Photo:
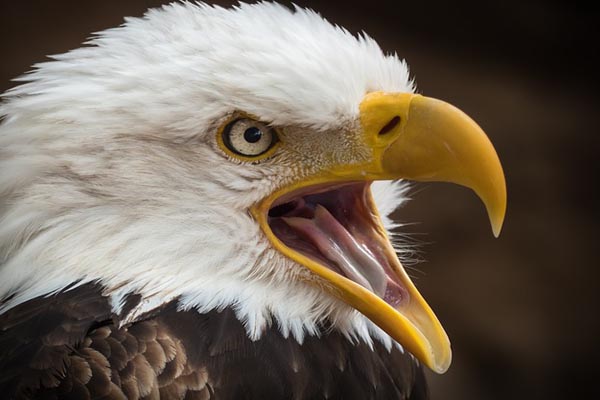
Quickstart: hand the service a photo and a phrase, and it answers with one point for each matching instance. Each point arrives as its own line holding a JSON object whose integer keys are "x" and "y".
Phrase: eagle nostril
{"x": 390, "y": 125}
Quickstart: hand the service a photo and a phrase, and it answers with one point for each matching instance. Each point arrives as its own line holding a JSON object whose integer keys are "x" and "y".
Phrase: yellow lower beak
{"x": 418, "y": 138}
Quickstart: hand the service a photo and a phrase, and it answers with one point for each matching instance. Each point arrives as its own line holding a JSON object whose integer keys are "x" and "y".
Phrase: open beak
{"x": 329, "y": 223}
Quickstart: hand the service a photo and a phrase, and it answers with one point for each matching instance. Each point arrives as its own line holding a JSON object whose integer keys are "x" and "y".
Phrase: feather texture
{"x": 82, "y": 352}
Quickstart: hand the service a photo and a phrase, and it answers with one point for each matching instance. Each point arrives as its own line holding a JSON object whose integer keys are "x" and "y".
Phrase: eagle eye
{"x": 248, "y": 138}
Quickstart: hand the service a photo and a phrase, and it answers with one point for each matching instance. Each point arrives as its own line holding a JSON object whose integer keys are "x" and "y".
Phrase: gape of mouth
{"x": 337, "y": 227}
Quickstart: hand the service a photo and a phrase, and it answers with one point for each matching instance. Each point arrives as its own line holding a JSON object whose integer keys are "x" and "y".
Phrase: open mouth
{"x": 327, "y": 222}
{"x": 339, "y": 227}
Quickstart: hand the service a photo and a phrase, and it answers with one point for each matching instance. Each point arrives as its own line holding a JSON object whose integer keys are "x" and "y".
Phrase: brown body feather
{"x": 69, "y": 346}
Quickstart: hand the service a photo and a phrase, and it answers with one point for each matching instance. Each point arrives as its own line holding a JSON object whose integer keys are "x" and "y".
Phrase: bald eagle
{"x": 195, "y": 205}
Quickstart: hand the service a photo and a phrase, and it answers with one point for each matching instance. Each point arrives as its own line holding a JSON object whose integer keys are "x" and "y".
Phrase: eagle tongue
{"x": 348, "y": 252}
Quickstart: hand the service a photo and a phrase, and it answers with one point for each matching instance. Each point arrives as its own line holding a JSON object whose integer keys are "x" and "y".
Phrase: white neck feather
{"x": 99, "y": 184}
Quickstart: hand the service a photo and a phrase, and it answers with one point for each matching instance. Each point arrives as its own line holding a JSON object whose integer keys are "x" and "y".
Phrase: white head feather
{"x": 110, "y": 173}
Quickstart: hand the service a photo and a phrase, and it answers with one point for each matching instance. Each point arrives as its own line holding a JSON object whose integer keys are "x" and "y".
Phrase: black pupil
{"x": 252, "y": 135}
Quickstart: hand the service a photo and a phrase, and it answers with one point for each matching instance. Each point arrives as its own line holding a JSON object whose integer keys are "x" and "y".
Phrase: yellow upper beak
{"x": 433, "y": 141}
{"x": 417, "y": 138}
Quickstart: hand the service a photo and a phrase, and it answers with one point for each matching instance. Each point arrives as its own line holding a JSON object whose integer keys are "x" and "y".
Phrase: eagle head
{"x": 229, "y": 158}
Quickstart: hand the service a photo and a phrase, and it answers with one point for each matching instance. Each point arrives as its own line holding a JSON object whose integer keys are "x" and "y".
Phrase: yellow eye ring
{"x": 247, "y": 139}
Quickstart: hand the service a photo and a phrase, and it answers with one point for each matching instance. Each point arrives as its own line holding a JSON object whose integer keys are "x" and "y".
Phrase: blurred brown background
{"x": 521, "y": 310}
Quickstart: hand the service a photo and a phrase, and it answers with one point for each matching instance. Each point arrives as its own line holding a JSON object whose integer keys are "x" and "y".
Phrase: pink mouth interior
{"x": 335, "y": 227}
